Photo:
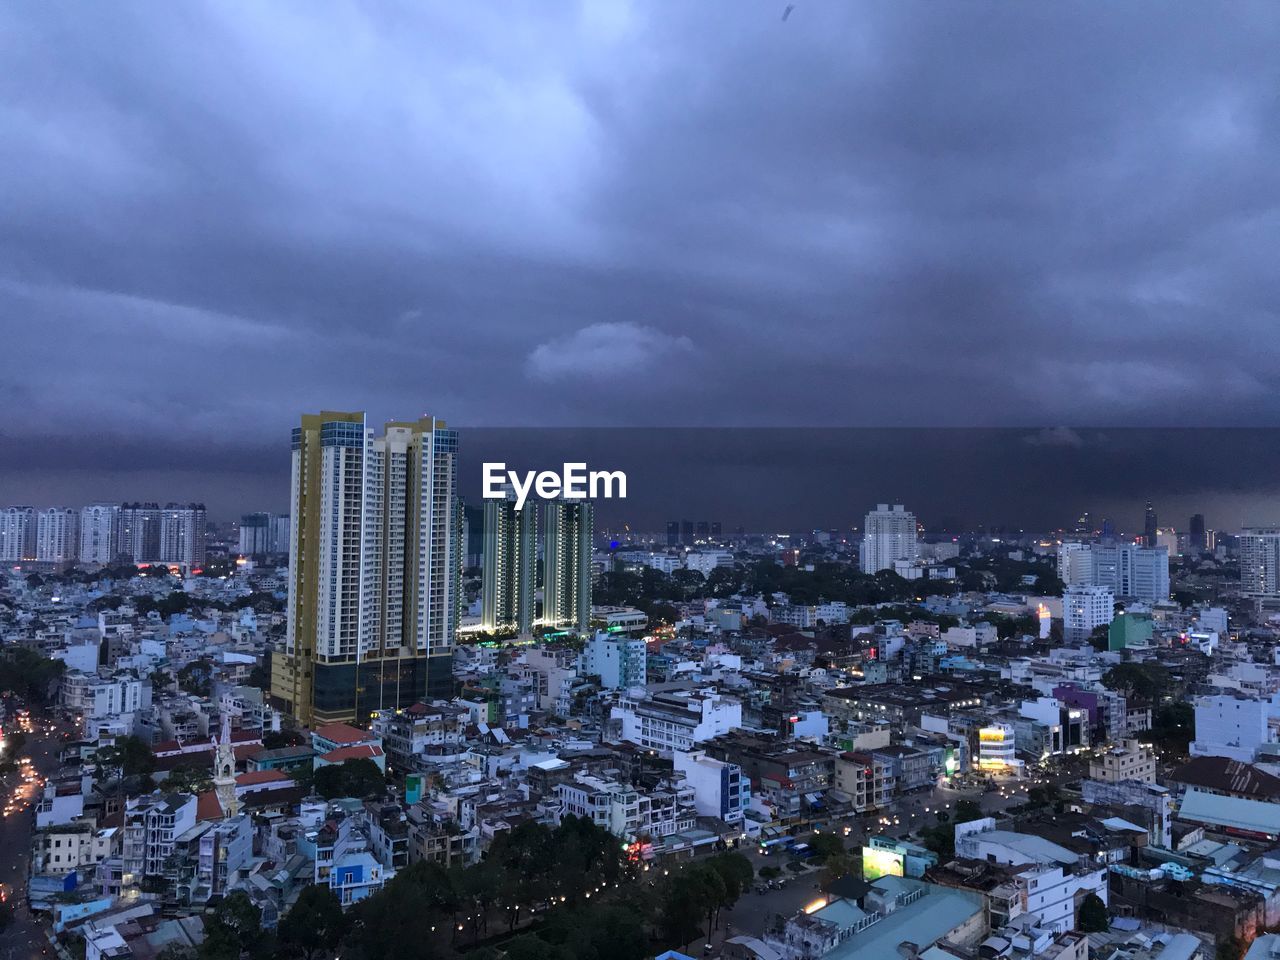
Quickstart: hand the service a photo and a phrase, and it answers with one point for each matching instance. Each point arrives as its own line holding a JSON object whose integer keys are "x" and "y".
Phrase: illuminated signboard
{"x": 878, "y": 863}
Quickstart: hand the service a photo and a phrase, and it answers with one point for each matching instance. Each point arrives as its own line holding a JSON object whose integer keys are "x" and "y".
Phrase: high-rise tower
{"x": 510, "y": 566}
{"x": 566, "y": 594}
{"x": 888, "y": 534}
{"x": 375, "y": 565}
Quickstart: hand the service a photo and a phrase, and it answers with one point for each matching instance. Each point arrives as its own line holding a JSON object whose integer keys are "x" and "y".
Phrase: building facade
{"x": 888, "y": 534}
{"x": 566, "y": 594}
{"x": 57, "y": 534}
{"x": 98, "y": 523}
{"x": 510, "y": 563}
{"x": 375, "y": 568}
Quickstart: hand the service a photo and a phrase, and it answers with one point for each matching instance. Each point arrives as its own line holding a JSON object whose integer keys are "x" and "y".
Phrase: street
{"x": 24, "y": 939}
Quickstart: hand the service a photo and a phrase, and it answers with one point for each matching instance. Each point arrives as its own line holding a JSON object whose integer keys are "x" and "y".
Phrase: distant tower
{"x": 566, "y": 594}
{"x": 510, "y": 566}
{"x": 889, "y": 534}
{"x": 1197, "y": 540}
{"x": 224, "y": 769}
{"x": 1150, "y": 530}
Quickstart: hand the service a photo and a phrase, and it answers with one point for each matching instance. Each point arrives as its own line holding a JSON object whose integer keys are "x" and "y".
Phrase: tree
{"x": 130, "y": 755}
{"x": 29, "y": 675}
{"x": 314, "y": 924}
{"x": 968, "y": 811}
{"x": 233, "y": 929}
{"x": 353, "y": 778}
{"x": 825, "y": 846}
{"x": 196, "y": 677}
{"x": 1093, "y": 915}
{"x": 275, "y": 739}
{"x": 1143, "y": 682}
{"x": 681, "y": 918}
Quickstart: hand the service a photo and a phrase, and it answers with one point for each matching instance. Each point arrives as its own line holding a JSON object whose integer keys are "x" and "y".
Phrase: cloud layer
{"x": 218, "y": 216}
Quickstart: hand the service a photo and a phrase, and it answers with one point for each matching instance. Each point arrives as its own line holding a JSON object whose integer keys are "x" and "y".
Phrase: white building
{"x": 182, "y": 533}
{"x": 151, "y": 825}
{"x": 57, "y": 534}
{"x": 94, "y": 697}
{"x": 98, "y": 523}
{"x": 888, "y": 534}
{"x": 1085, "y": 608}
{"x": 620, "y": 661}
{"x": 719, "y": 788}
{"x": 17, "y": 533}
{"x": 627, "y": 811}
{"x": 704, "y": 561}
{"x": 1055, "y": 876}
{"x": 675, "y": 720}
{"x": 1260, "y": 561}
{"x": 1127, "y": 569}
{"x": 375, "y": 561}
{"x": 997, "y": 749}
{"x": 1234, "y": 727}
{"x": 1075, "y": 563}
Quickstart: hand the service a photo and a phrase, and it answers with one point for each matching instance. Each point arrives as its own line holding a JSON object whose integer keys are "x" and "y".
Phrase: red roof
{"x": 342, "y": 733}
{"x": 343, "y": 754}
{"x": 207, "y": 806}
{"x": 254, "y": 777}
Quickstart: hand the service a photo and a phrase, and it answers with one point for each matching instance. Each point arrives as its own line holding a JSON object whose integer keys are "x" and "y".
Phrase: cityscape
{"x": 618, "y": 480}
{"x": 393, "y": 716}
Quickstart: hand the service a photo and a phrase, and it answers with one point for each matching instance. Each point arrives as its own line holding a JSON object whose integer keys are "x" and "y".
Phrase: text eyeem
{"x": 573, "y": 482}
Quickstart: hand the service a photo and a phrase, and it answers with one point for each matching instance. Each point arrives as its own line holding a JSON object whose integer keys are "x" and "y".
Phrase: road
{"x": 25, "y": 938}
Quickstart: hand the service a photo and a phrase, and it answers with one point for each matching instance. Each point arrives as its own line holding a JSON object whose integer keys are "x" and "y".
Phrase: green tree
{"x": 29, "y": 675}
{"x": 825, "y": 846}
{"x": 196, "y": 677}
{"x": 680, "y": 921}
{"x": 353, "y": 778}
{"x": 1093, "y": 915}
{"x": 130, "y": 756}
{"x": 233, "y": 929}
{"x": 315, "y": 924}
{"x": 1141, "y": 682}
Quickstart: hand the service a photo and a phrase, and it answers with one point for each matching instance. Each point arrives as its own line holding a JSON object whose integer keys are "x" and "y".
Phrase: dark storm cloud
{"x": 217, "y": 216}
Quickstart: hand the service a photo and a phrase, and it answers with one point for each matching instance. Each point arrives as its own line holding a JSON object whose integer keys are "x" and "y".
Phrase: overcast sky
{"x": 215, "y": 217}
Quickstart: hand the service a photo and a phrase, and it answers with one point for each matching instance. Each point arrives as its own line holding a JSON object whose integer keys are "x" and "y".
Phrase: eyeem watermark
{"x": 573, "y": 482}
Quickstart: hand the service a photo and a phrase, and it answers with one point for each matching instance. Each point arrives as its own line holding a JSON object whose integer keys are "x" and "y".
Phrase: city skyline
{"x": 783, "y": 480}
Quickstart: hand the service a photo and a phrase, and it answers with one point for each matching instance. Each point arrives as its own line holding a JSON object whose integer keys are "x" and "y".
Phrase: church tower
{"x": 224, "y": 770}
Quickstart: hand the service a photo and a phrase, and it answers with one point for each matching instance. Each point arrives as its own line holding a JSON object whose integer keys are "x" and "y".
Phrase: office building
{"x": 673, "y": 533}
{"x": 566, "y": 592}
{"x": 280, "y": 527}
{"x": 1196, "y": 539}
{"x": 1126, "y": 569}
{"x": 182, "y": 533}
{"x": 255, "y": 534}
{"x": 1083, "y": 609}
{"x": 1150, "y": 528}
{"x": 98, "y": 524}
{"x": 138, "y": 532}
{"x": 264, "y": 534}
{"x": 888, "y": 534}
{"x": 509, "y": 567}
{"x": 375, "y": 565}
{"x": 1260, "y": 561}
{"x": 57, "y": 534}
{"x": 17, "y": 533}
